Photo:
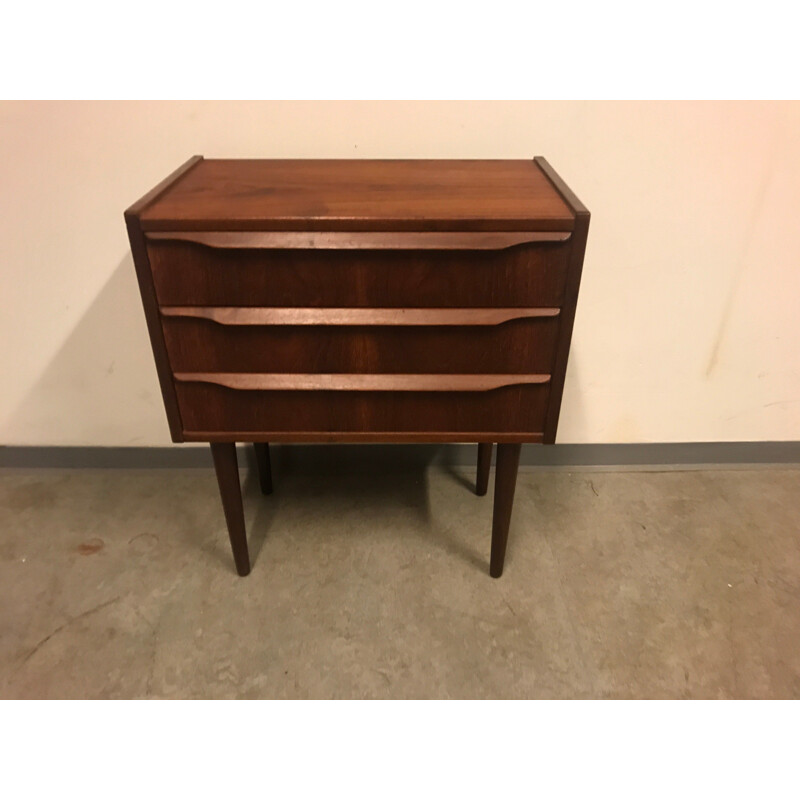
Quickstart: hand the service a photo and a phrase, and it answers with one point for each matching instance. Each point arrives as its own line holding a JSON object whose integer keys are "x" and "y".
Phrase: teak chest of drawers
{"x": 360, "y": 301}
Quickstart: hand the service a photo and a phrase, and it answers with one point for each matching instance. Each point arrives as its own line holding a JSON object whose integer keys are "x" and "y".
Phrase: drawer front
{"x": 209, "y": 407}
{"x": 188, "y": 273}
{"x": 518, "y": 345}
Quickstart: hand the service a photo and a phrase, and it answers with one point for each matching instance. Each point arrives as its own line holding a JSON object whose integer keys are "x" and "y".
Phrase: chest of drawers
{"x": 360, "y": 301}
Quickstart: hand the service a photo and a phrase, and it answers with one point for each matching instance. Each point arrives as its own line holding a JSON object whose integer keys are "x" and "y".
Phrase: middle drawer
{"x": 403, "y": 341}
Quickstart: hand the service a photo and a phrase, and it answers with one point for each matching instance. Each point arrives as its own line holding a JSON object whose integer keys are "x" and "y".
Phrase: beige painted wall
{"x": 688, "y": 321}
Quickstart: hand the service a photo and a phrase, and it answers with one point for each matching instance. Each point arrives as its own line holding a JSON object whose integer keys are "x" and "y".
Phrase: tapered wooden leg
{"x": 264, "y": 467}
{"x": 484, "y": 462}
{"x": 227, "y": 468}
{"x": 505, "y": 482}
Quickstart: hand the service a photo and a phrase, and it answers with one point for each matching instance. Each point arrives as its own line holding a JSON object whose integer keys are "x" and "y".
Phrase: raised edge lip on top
{"x": 156, "y": 213}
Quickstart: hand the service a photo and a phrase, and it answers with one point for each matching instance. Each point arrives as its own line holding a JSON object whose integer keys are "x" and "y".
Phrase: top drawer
{"x": 394, "y": 272}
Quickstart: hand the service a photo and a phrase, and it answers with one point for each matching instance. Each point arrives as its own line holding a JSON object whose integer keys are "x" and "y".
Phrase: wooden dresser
{"x": 360, "y": 301}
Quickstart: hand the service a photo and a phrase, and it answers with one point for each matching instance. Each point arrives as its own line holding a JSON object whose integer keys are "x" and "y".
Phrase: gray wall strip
{"x": 667, "y": 455}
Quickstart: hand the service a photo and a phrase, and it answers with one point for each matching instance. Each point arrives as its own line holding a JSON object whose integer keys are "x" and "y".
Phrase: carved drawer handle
{"x": 347, "y": 382}
{"x": 317, "y": 240}
{"x": 357, "y": 316}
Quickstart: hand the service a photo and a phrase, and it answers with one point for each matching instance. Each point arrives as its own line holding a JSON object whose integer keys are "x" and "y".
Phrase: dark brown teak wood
{"x": 345, "y": 382}
{"x": 521, "y": 345}
{"x": 484, "y": 464}
{"x": 400, "y": 317}
{"x": 227, "y": 469}
{"x": 361, "y": 195}
{"x": 580, "y": 234}
{"x": 309, "y": 240}
{"x": 513, "y": 413}
{"x": 264, "y": 467}
{"x": 505, "y": 482}
{"x": 360, "y": 301}
{"x": 525, "y": 276}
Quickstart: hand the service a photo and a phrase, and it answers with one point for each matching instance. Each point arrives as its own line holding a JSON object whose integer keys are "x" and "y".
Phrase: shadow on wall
{"x": 101, "y": 387}
{"x": 572, "y": 419}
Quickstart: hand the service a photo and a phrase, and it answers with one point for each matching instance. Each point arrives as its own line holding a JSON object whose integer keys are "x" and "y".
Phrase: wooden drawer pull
{"x": 357, "y": 316}
{"x": 294, "y": 240}
{"x": 286, "y": 382}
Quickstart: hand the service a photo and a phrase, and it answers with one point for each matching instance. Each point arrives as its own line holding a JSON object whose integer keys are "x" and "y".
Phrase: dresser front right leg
{"x": 227, "y": 468}
{"x": 484, "y": 463}
{"x": 505, "y": 482}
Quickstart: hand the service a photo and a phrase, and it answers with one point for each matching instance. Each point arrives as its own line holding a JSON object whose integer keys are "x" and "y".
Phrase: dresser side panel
{"x": 150, "y": 303}
{"x": 567, "y": 317}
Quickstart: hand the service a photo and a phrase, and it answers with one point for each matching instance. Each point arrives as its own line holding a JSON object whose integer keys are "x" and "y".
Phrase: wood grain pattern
{"x": 522, "y": 345}
{"x": 527, "y": 276}
{"x": 350, "y": 240}
{"x": 361, "y": 195}
{"x": 356, "y": 316}
{"x": 342, "y": 382}
{"x": 232, "y": 412}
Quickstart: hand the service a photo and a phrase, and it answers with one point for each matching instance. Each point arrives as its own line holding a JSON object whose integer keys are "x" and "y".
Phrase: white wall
{"x": 688, "y": 322}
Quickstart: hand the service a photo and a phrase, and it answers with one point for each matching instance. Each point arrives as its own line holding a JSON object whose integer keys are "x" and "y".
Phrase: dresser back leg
{"x": 484, "y": 462}
{"x": 505, "y": 482}
{"x": 227, "y": 468}
{"x": 264, "y": 467}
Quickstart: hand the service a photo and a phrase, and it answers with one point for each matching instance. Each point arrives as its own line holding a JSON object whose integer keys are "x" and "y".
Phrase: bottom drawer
{"x": 209, "y": 408}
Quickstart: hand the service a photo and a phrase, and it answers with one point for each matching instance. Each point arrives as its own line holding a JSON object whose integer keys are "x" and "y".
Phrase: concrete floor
{"x": 120, "y": 584}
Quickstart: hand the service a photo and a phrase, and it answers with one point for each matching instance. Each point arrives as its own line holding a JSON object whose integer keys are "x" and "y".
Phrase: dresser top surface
{"x": 358, "y": 194}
